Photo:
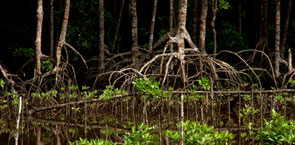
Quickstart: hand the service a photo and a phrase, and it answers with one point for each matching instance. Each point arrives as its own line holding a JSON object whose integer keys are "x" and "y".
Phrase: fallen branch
{"x": 32, "y": 111}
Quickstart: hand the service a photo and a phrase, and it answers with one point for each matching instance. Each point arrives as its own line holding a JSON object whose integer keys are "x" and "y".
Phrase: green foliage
{"x": 292, "y": 81}
{"x": 3, "y": 104}
{"x": 21, "y": 51}
{"x": 277, "y": 130}
{"x": 74, "y": 87}
{"x": 248, "y": 111}
{"x": 109, "y": 93}
{"x": 149, "y": 86}
{"x": 14, "y": 96}
{"x": 246, "y": 97}
{"x": 163, "y": 32}
{"x": 46, "y": 65}
{"x": 279, "y": 98}
{"x": 83, "y": 30}
{"x": 85, "y": 141}
{"x": 84, "y": 88}
{"x": 193, "y": 95}
{"x": 45, "y": 96}
{"x": 2, "y": 83}
{"x": 223, "y": 4}
{"x": 201, "y": 134}
{"x": 234, "y": 39}
{"x": 251, "y": 133}
{"x": 107, "y": 132}
{"x": 74, "y": 108}
{"x": 204, "y": 83}
{"x": 4, "y": 127}
{"x": 73, "y": 95}
{"x": 141, "y": 136}
{"x": 91, "y": 94}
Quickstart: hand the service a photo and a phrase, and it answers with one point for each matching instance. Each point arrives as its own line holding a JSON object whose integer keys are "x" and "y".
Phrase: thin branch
{"x": 5, "y": 75}
{"x": 70, "y": 46}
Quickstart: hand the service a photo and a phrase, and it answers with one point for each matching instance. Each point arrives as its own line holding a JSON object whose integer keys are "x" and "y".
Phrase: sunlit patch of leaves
{"x": 196, "y": 133}
{"x": 141, "y": 136}
{"x": 275, "y": 131}
{"x": 85, "y": 141}
{"x": 109, "y": 92}
{"x": 149, "y": 86}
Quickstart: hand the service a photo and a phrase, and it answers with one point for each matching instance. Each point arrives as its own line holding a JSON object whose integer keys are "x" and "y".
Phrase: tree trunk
{"x": 62, "y": 36}
{"x": 214, "y": 11}
{"x": 152, "y": 26}
{"x": 180, "y": 42}
{"x": 101, "y": 36}
{"x": 277, "y": 39}
{"x": 285, "y": 29}
{"x": 39, "y": 136}
{"x": 51, "y": 29}
{"x": 118, "y": 25}
{"x": 290, "y": 66}
{"x": 182, "y": 119}
{"x": 134, "y": 36}
{"x": 203, "y": 18}
{"x": 195, "y": 16}
{"x": 264, "y": 22}
{"x": 39, "y": 36}
{"x": 240, "y": 15}
{"x": 171, "y": 15}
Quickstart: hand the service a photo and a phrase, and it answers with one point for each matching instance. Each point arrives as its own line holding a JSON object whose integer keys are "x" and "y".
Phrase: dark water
{"x": 112, "y": 121}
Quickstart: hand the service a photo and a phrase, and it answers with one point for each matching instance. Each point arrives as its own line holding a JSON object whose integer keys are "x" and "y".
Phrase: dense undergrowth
{"x": 149, "y": 94}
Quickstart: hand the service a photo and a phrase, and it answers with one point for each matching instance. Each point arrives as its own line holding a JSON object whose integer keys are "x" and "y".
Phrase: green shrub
{"x": 201, "y": 134}
{"x": 149, "y": 86}
{"x": 85, "y": 141}
{"x": 141, "y": 136}
{"x": 109, "y": 92}
{"x": 277, "y": 131}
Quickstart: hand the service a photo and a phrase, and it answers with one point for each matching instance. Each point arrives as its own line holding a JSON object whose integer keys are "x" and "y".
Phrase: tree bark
{"x": 152, "y": 26}
{"x": 51, "y": 29}
{"x": 285, "y": 29}
{"x": 195, "y": 16}
{"x": 118, "y": 25}
{"x": 39, "y": 36}
{"x": 180, "y": 36}
{"x": 290, "y": 66}
{"x": 277, "y": 39}
{"x": 264, "y": 21}
{"x": 171, "y": 15}
{"x": 214, "y": 11}
{"x": 240, "y": 15}
{"x": 203, "y": 17}
{"x": 101, "y": 36}
{"x": 62, "y": 36}
{"x": 5, "y": 74}
{"x": 134, "y": 36}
